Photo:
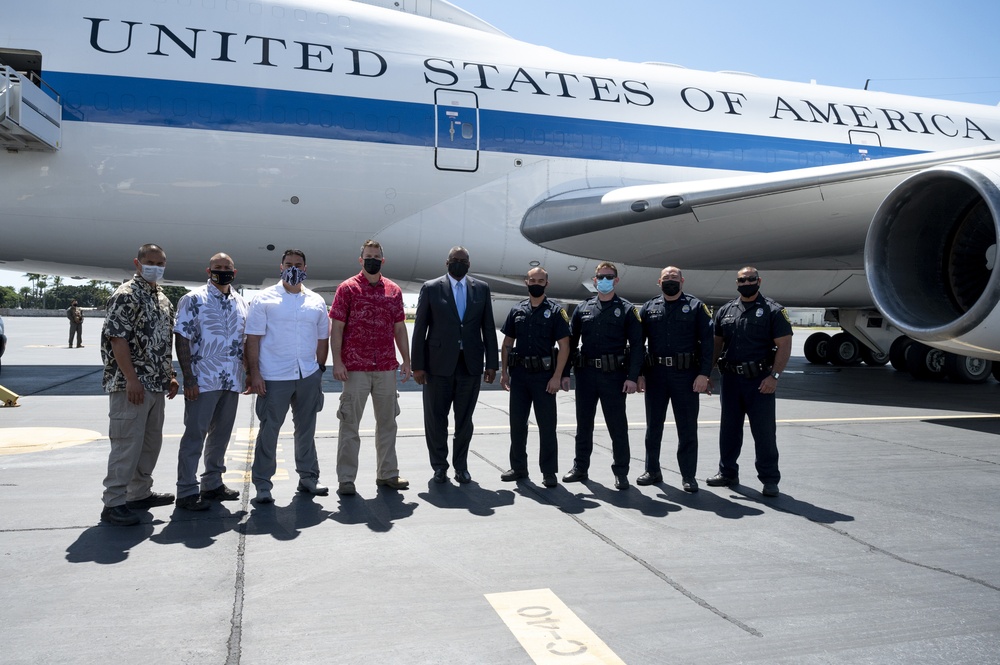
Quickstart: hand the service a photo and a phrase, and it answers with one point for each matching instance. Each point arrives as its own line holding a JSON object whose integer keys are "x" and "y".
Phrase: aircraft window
{"x": 518, "y": 135}
{"x": 205, "y": 109}
{"x": 559, "y": 138}
{"x": 371, "y": 123}
{"x": 154, "y": 105}
{"x": 322, "y": 18}
{"x": 101, "y": 101}
{"x": 325, "y": 119}
{"x": 467, "y": 130}
{"x": 255, "y": 8}
{"x": 128, "y": 103}
{"x": 538, "y": 137}
{"x": 278, "y": 12}
{"x": 302, "y": 117}
{"x": 393, "y": 124}
{"x": 229, "y": 112}
{"x": 348, "y": 122}
{"x": 300, "y": 15}
{"x": 254, "y": 113}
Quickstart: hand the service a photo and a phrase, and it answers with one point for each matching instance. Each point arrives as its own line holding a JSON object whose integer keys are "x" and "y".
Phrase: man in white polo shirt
{"x": 286, "y": 351}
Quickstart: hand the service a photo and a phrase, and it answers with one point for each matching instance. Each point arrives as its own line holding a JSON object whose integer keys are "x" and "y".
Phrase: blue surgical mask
{"x": 152, "y": 274}
{"x": 292, "y": 275}
{"x": 605, "y": 286}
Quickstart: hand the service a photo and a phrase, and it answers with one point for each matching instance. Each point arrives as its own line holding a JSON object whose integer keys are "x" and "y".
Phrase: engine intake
{"x": 930, "y": 257}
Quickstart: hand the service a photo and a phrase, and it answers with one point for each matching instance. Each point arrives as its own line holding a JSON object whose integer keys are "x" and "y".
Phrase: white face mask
{"x": 152, "y": 274}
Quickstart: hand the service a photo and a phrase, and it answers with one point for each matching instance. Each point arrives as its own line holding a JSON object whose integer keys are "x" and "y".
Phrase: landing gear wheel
{"x": 925, "y": 362}
{"x": 817, "y": 348}
{"x": 873, "y": 358}
{"x": 897, "y": 353}
{"x": 844, "y": 349}
{"x": 963, "y": 369}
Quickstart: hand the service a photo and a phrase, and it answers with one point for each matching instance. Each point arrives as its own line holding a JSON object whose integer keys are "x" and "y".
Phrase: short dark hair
{"x": 372, "y": 243}
{"x": 147, "y": 248}
{"x": 295, "y": 252}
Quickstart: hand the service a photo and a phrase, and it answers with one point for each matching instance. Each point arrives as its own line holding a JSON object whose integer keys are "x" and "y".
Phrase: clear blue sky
{"x": 918, "y": 47}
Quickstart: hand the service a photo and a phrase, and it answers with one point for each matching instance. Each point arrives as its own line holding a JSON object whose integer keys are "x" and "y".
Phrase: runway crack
{"x": 234, "y": 647}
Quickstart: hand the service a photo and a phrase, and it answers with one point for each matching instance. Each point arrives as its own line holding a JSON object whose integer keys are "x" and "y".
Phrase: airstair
{"x": 30, "y": 112}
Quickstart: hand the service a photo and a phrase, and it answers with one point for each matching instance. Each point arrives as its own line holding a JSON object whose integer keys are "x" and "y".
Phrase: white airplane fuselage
{"x": 250, "y": 128}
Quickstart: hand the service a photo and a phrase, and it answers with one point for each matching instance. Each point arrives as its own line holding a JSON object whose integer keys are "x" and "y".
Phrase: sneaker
{"x": 511, "y": 475}
{"x": 395, "y": 483}
{"x": 119, "y": 516}
{"x": 312, "y": 486}
{"x": 346, "y": 488}
{"x": 220, "y": 493}
{"x": 264, "y": 496}
{"x": 192, "y": 502}
{"x": 770, "y": 489}
{"x": 719, "y": 480}
{"x": 154, "y": 499}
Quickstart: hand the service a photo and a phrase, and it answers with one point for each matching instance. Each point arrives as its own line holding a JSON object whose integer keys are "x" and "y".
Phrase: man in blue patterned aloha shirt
{"x": 209, "y": 336}
{"x": 135, "y": 347}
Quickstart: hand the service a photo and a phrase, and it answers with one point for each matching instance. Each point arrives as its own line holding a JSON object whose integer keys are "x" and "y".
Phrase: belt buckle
{"x": 597, "y": 363}
{"x": 739, "y": 369}
{"x": 668, "y": 362}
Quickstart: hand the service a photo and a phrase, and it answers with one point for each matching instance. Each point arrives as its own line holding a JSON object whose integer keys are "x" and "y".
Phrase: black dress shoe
{"x": 220, "y": 493}
{"x": 621, "y": 482}
{"x": 463, "y": 477}
{"x": 151, "y": 501}
{"x": 649, "y": 478}
{"x": 689, "y": 485}
{"x": 719, "y": 480}
{"x": 119, "y": 516}
{"x": 770, "y": 489}
{"x": 441, "y": 476}
{"x": 575, "y": 476}
{"x": 192, "y": 502}
{"x": 549, "y": 480}
{"x": 512, "y": 475}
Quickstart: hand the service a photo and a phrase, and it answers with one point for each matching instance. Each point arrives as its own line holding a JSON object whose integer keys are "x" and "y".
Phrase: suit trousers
{"x": 208, "y": 425}
{"x": 593, "y": 386}
{"x": 740, "y": 398}
{"x": 136, "y": 433}
{"x": 305, "y": 396}
{"x": 665, "y": 385}
{"x": 527, "y": 390}
{"x": 385, "y": 401}
{"x": 442, "y": 393}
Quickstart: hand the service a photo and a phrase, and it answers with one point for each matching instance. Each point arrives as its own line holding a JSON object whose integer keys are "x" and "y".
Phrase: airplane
{"x": 252, "y": 127}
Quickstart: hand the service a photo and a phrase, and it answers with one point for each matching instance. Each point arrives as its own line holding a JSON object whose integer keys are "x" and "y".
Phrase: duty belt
{"x": 679, "y": 361}
{"x": 751, "y": 369}
{"x": 531, "y": 363}
{"x": 608, "y": 362}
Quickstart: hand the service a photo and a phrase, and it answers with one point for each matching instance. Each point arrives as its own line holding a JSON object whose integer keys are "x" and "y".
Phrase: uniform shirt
{"x": 214, "y": 322}
{"x": 748, "y": 330}
{"x": 291, "y": 325}
{"x": 140, "y": 313}
{"x": 536, "y": 329}
{"x": 680, "y": 326}
{"x": 607, "y": 328}
{"x": 370, "y": 312}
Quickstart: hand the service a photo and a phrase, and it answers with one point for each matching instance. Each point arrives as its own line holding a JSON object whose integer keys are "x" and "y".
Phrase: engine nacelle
{"x": 930, "y": 257}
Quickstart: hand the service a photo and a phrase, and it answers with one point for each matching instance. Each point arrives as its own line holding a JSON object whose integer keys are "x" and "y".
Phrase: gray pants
{"x": 208, "y": 424}
{"x": 305, "y": 396}
{"x": 136, "y": 433}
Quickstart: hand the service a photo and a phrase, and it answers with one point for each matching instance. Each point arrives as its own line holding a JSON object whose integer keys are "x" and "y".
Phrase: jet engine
{"x": 930, "y": 256}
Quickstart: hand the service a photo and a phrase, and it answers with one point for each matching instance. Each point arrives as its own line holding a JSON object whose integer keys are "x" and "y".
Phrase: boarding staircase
{"x": 30, "y": 112}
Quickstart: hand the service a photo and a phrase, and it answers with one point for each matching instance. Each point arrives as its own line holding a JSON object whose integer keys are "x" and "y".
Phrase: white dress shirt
{"x": 291, "y": 325}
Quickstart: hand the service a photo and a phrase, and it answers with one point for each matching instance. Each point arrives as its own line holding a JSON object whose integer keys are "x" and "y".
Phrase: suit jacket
{"x": 438, "y": 333}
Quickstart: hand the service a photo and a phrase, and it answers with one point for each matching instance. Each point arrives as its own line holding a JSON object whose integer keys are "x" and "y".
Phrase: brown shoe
{"x": 395, "y": 483}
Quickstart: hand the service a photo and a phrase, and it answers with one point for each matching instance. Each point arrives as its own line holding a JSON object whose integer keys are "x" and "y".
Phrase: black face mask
{"x": 536, "y": 290}
{"x": 373, "y": 266}
{"x": 223, "y": 277}
{"x": 670, "y": 287}
{"x": 458, "y": 270}
{"x": 748, "y": 290}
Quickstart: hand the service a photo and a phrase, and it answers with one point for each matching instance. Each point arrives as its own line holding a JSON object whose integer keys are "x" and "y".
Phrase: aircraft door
{"x": 456, "y": 130}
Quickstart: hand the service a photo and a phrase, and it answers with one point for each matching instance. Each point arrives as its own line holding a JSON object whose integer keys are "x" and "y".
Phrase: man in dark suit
{"x": 453, "y": 335}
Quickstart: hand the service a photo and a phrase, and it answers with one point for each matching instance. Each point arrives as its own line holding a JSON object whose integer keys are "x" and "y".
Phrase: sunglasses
{"x": 607, "y": 277}
{"x": 746, "y": 280}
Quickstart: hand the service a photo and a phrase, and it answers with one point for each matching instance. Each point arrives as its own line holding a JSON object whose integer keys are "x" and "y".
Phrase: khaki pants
{"x": 385, "y": 400}
{"x": 136, "y": 433}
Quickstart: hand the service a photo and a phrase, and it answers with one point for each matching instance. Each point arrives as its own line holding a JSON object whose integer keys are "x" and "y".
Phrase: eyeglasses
{"x": 746, "y": 280}
{"x": 607, "y": 277}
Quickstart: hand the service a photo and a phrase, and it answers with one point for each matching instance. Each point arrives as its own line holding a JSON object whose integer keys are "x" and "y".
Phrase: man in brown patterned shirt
{"x": 135, "y": 347}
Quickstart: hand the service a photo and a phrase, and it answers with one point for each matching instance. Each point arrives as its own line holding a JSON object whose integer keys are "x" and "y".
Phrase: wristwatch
{"x": 776, "y": 375}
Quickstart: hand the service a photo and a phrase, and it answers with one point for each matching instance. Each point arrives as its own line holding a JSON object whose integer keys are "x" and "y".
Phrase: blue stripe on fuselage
{"x": 183, "y": 104}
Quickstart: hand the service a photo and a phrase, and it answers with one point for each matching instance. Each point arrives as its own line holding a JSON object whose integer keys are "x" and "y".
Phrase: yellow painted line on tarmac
{"x": 549, "y": 631}
{"x": 17, "y": 440}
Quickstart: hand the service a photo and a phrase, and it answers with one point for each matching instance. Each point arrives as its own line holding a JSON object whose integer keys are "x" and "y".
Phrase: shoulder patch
{"x": 564, "y": 315}
{"x": 638, "y": 317}
{"x": 784, "y": 313}
{"x": 705, "y": 307}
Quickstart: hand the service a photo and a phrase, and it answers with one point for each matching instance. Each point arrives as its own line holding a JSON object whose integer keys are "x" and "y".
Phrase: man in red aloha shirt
{"x": 367, "y": 321}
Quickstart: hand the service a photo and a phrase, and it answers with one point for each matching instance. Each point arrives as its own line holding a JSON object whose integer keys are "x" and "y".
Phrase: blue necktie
{"x": 460, "y": 299}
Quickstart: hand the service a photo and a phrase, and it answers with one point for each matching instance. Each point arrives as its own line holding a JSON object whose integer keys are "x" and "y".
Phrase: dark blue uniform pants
{"x": 667, "y": 385}
{"x": 527, "y": 389}
{"x": 593, "y": 386}
{"x": 741, "y": 398}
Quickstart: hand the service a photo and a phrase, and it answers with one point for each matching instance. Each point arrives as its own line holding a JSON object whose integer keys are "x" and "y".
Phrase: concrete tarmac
{"x": 883, "y": 548}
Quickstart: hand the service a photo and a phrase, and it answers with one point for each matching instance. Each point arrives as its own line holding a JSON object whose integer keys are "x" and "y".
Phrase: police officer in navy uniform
{"x": 607, "y": 369}
{"x": 680, "y": 342}
{"x": 533, "y": 374}
{"x": 753, "y": 341}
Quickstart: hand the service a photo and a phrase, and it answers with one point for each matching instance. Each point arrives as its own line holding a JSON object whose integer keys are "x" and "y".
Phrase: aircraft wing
{"x": 811, "y": 218}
